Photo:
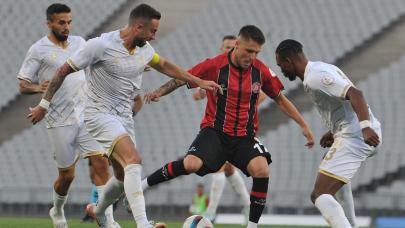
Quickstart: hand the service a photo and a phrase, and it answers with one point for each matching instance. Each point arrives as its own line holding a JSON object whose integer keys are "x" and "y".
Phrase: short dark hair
{"x": 56, "y": 8}
{"x": 288, "y": 48}
{"x": 252, "y": 32}
{"x": 144, "y": 11}
{"x": 229, "y": 37}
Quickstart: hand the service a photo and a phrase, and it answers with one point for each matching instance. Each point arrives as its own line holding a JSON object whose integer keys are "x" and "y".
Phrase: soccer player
{"x": 354, "y": 133}
{"x": 227, "y": 171}
{"x": 64, "y": 120}
{"x": 231, "y": 119}
{"x": 116, "y": 61}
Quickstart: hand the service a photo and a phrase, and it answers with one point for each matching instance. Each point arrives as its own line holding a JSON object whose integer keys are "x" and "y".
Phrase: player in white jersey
{"x": 64, "y": 120}
{"x": 354, "y": 133}
{"x": 116, "y": 61}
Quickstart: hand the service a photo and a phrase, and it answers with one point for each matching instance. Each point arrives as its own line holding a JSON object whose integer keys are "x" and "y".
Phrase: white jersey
{"x": 41, "y": 63}
{"x": 115, "y": 75}
{"x": 327, "y": 85}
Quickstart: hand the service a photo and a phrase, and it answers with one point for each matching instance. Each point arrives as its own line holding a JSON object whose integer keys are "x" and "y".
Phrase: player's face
{"x": 60, "y": 25}
{"x": 227, "y": 45}
{"x": 146, "y": 32}
{"x": 246, "y": 51}
{"x": 286, "y": 67}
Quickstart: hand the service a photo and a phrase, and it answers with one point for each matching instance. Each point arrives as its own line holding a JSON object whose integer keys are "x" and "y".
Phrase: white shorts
{"x": 68, "y": 142}
{"x": 346, "y": 155}
{"x": 108, "y": 129}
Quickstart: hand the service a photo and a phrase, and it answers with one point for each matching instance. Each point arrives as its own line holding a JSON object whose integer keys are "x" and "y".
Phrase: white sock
{"x": 109, "y": 210}
{"x": 251, "y": 225}
{"x": 239, "y": 187}
{"x": 145, "y": 184}
{"x": 345, "y": 198}
{"x": 217, "y": 187}
{"x": 113, "y": 189}
{"x": 332, "y": 211}
{"x": 134, "y": 193}
{"x": 59, "y": 202}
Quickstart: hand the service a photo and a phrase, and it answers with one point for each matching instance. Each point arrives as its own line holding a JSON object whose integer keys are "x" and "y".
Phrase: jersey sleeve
{"x": 272, "y": 85}
{"x": 30, "y": 66}
{"x": 332, "y": 84}
{"x": 204, "y": 70}
{"x": 89, "y": 53}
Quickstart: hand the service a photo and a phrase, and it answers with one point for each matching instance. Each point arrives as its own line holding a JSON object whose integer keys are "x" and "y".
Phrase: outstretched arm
{"x": 38, "y": 112}
{"x": 163, "y": 90}
{"x": 166, "y": 67}
{"x": 288, "y": 108}
{"x": 359, "y": 105}
{"x": 27, "y": 87}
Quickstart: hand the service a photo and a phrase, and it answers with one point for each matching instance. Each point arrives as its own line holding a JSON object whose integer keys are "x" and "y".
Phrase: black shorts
{"x": 214, "y": 148}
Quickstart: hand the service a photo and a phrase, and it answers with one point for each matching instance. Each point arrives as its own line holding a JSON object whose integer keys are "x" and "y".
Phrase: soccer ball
{"x": 197, "y": 221}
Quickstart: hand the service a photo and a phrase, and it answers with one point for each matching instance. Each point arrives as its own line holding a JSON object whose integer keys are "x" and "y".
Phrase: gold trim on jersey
{"x": 115, "y": 141}
{"x": 344, "y": 180}
{"x": 155, "y": 60}
{"x": 345, "y": 90}
{"x": 71, "y": 64}
{"x": 92, "y": 153}
{"x": 70, "y": 166}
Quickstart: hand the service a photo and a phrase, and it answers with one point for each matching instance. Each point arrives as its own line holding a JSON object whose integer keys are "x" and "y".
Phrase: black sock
{"x": 167, "y": 172}
{"x": 258, "y": 197}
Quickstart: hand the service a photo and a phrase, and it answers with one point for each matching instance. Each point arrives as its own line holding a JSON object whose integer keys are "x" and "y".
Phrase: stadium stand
{"x": 24, "y": 23}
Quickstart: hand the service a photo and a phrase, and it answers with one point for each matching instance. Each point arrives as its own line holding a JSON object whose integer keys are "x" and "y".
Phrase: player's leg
{"x": 62, "y": 142}
{"x": 216, "y": 190}
{"x": 325, "y": 188}
{"x": 253, "y": 159}
{"x": 204, "y": 156}
{"x": 337, "y": 168}
{"x": 237, "y": 183}
{"x": 345, "y": 198}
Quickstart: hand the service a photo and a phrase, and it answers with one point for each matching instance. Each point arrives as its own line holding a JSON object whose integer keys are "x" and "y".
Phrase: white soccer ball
{"x": 197, "y": 221}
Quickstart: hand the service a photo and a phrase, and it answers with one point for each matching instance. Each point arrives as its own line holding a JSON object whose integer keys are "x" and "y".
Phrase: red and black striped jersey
{"x": 235, "y": 112}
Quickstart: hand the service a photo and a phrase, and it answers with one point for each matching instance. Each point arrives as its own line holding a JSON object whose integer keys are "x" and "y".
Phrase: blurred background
{"x": 365, "y": 38}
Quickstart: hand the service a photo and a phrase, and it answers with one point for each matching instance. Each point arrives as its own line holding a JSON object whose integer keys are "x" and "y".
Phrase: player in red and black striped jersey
{"x": 230, "y": 122}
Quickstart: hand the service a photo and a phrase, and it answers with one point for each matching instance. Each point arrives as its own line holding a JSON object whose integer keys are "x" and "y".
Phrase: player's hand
{"x": 210, "y": 85}
{"x": 199, "y": 94}
{"x": 370, "y": 137}
{"x": 43, "y": 86}
{"x": 327, "y": 140}
{"x": 151, "y": 97}
{"x": 310, "y": 137}
{"x": 36, "y": 114}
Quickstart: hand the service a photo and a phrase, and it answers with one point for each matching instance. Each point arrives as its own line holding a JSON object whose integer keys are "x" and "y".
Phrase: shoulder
{"x": 77, "y": 39}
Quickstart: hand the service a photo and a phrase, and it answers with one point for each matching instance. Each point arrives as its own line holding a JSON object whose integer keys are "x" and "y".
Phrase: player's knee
{"x": 67, "y": 177}
{"x": 262, "y": 171}
{"x": 229, "y": 170}
{"x": 192, "y": 163}
{"x": 314, "y": 196}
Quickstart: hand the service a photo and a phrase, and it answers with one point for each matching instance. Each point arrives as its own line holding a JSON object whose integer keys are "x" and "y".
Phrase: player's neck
{"x": 125, "y": 35}
{"x": 302, "y": 65}
{"x": 54, "y": 40}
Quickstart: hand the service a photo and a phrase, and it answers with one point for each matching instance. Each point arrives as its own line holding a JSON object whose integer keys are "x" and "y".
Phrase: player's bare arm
{"x": 163, "y": 90}
{"x": 37, "y": 113}
{"x": 166, "y": 67}
{"x": 359, "y": 105}
{"x": 288, "y": 108}
{"x": 27, "y": 87}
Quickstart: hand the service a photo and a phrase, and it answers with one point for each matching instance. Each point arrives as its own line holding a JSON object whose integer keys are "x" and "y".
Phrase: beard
{"x": 138, "y": 42}
{"x": 292, "y": 77}
{"x": 59, "y": 36}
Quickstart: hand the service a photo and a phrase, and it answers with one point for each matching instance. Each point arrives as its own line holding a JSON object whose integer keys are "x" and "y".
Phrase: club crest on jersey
{"x": 256, "y": 87}
{"x": 326, "y": 80}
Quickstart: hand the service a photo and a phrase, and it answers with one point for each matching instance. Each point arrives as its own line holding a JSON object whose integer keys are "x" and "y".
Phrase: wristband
{"x": 44, "y": 104}
{"x": 365, "y": 124}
